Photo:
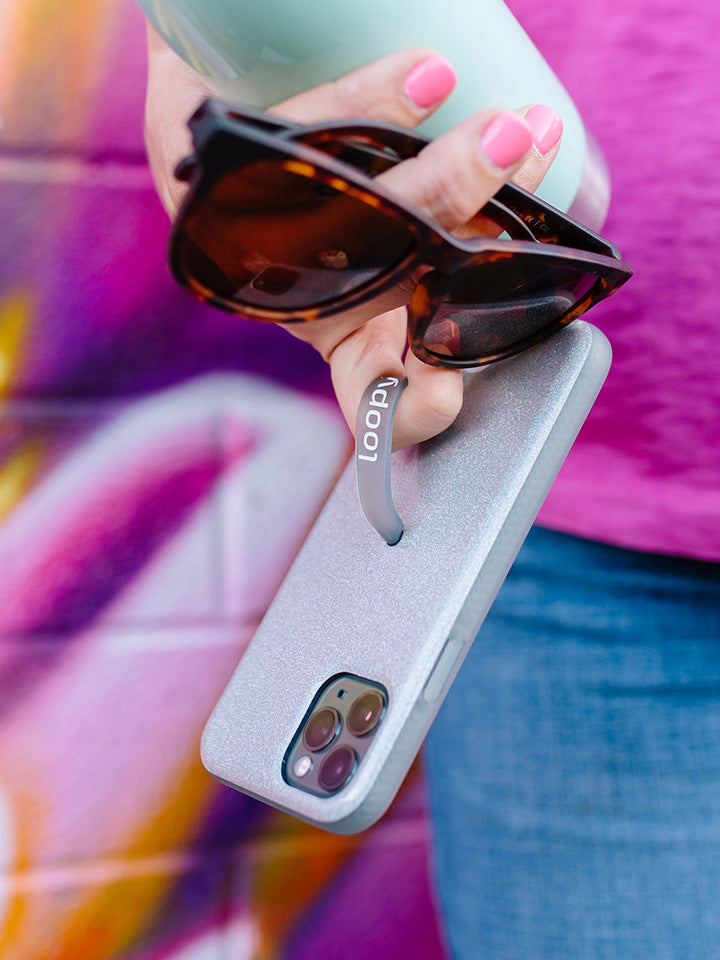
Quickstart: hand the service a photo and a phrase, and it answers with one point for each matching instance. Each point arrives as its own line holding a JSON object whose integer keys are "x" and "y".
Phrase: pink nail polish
{"x": 429, "y": 82}
{"x": 506, "y": 140}
{"x": 546, "y": 125}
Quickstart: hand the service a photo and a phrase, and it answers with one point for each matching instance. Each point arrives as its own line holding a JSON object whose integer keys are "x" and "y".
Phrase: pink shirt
{"x": 645, "y": 471}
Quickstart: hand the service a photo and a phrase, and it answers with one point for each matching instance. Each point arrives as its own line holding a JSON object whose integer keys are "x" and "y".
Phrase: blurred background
{"x": 148, "y": 514}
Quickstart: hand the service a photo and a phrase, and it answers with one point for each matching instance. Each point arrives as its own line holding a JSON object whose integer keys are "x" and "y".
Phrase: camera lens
{"x": 337, "y": 768}
{"x": 365, "y": 713}
{"x": 321, "y": 728}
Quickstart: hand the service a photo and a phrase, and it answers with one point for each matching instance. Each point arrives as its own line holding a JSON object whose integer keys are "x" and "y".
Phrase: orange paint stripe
{"x": 100, "y": 910}
{"x": 47, "y": 67}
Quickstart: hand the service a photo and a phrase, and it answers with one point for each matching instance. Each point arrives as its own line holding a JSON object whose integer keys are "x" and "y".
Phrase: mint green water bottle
{"x": 261, "y": 53}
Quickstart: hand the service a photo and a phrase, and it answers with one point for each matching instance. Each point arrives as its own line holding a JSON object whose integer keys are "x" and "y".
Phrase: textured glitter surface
{"x": 352, "y": 603}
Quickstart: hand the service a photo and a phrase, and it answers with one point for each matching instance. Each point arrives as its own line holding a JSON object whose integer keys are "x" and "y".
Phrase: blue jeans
{"x": 575, "y": 766}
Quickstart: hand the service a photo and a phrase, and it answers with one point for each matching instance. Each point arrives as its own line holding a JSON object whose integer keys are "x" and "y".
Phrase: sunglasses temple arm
{"x": 373, "y": 445}
{"x": 509, "y": 221}
{"x": 549, "y": 225}
{"x": 213, "y": 108}
{"x": 244, "y": 114}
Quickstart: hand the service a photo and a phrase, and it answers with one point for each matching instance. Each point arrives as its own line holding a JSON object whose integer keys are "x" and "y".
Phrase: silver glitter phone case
{"x": 357, "y": 618}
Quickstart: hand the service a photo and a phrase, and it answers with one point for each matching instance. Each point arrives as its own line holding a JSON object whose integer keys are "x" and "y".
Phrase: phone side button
{"x": 442, "y": 668}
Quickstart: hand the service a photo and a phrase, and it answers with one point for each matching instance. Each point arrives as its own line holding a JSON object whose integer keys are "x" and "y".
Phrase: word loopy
{"x": 373, "y": 418}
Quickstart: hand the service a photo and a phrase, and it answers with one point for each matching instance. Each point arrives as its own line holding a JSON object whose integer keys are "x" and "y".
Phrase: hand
{"x": 450, "y": 180}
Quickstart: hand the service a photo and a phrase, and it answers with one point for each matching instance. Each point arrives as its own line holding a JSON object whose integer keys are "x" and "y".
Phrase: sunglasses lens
{"x": 498, "y": 306}
{"x": 270, "y": 238}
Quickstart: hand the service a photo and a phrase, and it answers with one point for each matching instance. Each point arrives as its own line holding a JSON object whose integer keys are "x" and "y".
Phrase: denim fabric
{"x": 575, "y": 766}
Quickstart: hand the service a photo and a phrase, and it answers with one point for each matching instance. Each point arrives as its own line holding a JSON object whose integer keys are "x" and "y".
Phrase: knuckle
{"x": 381, "y": 346}
{"x": 352, "y": 94}
{"x": 377, "y": 89}
{"x": 443, "y": 405}
{"x": 426, "y": 415}
{"x": 531, "y": 173}
{"x": 448, "y": 195}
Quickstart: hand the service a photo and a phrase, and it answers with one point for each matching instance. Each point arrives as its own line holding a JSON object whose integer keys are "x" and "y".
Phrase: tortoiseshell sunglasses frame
{"x": 347, "y": 155}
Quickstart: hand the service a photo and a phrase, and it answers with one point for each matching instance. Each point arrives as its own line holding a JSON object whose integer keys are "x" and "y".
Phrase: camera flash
{"x": 303, "y": 766}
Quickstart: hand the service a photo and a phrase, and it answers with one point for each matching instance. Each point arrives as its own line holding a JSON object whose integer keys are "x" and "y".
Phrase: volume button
{"x": 441, "y": 670}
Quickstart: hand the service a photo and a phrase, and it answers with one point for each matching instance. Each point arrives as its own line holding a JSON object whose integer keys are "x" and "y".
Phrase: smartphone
{"x": 336, "y": 691}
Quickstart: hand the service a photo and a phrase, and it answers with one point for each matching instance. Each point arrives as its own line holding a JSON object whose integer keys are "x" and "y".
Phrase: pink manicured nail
{"x": 429, "y": 82}
{"x": 546, "y": 125}
{"x": 506, "y": 140}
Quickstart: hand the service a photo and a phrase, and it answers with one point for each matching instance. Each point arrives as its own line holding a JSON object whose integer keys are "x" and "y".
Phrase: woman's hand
{"x": 450, "y": 180}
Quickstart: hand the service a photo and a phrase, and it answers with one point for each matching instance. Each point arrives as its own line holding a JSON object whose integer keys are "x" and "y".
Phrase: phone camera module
{"x": 321, "y": 729}
{"x": 337, "y": 768}
{"x": 329, "y": 746}
{"x": 364, "y": 714}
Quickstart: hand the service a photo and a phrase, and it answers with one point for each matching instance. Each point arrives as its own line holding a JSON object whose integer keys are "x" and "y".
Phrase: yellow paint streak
{"x": 14, "y": 321}
{"x": 17, "y": 474}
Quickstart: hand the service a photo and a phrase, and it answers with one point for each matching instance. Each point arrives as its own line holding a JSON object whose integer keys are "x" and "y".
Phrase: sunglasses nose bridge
{"x": 230, "y": 147}
{"x": 444, "y": 255}
{"x": 427, "y": 298}
{"x": 441, "y": 260}
{"x": 217, "y": 148}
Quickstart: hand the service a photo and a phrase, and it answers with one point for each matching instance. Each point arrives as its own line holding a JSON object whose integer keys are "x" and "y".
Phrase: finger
{"x": 433, "y": 397}
{"x": 371, "y": 350}
{"x": 547, "y": 129}
{"x": 456, "y": 174}
{"x": 404, "y": 88}
{"x": 430, "y": 403}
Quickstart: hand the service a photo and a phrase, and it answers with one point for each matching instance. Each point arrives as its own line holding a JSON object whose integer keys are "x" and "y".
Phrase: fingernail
{"x": 429, "y": 82}
{"x": 506, "y": 139}
{"x": 546, "y": 125}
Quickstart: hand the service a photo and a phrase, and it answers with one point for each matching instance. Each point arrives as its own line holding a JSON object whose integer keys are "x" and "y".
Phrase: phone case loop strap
{"x": 373, "y": 446}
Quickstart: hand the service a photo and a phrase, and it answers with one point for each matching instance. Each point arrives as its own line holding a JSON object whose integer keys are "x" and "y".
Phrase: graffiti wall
{"x": 154, "y": 488}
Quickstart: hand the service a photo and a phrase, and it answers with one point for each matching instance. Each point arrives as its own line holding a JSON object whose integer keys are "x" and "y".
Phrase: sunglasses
{"x": 285, "y": 222}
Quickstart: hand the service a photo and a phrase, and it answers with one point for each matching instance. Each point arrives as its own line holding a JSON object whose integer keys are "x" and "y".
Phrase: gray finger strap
{"x": 373, "y": 444}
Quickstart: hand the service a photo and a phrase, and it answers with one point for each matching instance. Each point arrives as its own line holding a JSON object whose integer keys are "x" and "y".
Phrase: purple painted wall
{"x": 147, "y": 516}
